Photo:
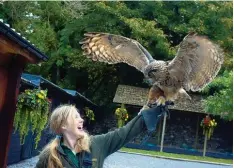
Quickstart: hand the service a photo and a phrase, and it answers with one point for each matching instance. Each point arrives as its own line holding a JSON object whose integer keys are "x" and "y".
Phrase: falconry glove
{"x": 152, "y": 115}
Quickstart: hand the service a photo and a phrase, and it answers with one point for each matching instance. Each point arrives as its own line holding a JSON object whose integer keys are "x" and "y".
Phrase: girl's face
{"x": 74, "y": 125}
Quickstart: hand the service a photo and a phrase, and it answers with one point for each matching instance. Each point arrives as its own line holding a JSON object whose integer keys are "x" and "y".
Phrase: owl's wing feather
{"x": 112, "y": 49}
{"x": 197, "y": 62}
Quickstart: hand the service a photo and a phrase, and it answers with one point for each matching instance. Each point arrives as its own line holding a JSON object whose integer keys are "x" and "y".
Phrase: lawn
{"x": 179, "y": 156}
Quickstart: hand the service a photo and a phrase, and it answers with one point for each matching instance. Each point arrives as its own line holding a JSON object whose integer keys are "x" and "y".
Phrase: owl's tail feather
{"x": 183, "y": 94}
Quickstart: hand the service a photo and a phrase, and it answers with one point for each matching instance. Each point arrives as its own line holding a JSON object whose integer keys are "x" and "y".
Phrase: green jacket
{"x": 106, "y": 144}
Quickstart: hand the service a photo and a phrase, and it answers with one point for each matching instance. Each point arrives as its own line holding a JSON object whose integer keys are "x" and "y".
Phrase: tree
{"x": 159, "y": 26}
{"x": 221, "y": 102}
{"x": 41, "y": 23}
{"x": 57, "y": 27}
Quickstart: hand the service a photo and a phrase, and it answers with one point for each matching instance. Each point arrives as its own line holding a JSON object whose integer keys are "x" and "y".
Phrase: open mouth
{"x": 80, "y": 128}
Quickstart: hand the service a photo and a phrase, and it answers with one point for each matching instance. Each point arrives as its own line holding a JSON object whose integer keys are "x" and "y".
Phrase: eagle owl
{"x": 196, "y": 63}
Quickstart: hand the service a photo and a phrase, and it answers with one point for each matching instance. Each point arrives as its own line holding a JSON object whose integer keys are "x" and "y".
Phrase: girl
{"x": 75, "y": 148}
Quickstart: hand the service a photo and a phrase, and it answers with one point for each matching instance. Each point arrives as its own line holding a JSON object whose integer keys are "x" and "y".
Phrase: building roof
{"x": 22, "y": 41}
{"x": 138, "y": 96}
{"x": 36, "y": 81}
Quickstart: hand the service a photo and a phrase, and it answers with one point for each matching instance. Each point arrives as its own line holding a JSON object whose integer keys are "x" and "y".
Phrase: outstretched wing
{"x": 197, "y": 62}
{"x": 114, "y": 49}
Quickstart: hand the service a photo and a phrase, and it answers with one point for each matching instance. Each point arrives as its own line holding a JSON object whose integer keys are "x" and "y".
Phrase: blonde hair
{"x": 58, "y": 118}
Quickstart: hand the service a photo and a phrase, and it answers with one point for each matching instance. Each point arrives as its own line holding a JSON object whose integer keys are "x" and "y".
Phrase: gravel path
{"x": 125, "y": 160}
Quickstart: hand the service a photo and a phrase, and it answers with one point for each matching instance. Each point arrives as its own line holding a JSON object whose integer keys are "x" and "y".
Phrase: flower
{"x": 89, "y": 114}
{"x": 122, "y": 113}
{"x": 208, "y": 126}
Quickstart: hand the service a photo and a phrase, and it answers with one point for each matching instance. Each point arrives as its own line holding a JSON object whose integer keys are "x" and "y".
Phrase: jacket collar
{"x": 59, "y": 147}
{"x": 83, "y": 156}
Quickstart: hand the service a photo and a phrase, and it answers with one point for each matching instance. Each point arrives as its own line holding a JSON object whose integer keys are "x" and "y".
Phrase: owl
{"x": 197, "y": 62}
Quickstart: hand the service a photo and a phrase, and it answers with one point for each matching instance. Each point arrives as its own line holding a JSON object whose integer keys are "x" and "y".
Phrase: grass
{"x": 179, "y": 156}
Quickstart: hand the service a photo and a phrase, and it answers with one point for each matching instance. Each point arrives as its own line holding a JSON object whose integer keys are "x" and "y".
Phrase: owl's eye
{"x": 151, "y": 73}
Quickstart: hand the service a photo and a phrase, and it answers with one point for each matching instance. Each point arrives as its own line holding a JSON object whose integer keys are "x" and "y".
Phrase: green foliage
{"x": 122, "y": 115}
{"x": 221, "y": 102}
{"x": 179, "y": 156}
{"x": 32, "y": 112}
{"x": 89, "y": 114}
{"x": 159, "y": 26}
{"x": 57, "y": 27}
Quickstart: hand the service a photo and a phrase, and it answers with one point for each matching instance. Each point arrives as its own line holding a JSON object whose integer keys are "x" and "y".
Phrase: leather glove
{"x": 152, "y": 115}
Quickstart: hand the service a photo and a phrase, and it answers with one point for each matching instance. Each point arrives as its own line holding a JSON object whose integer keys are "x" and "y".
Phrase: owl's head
{"x": 156, "y": 71}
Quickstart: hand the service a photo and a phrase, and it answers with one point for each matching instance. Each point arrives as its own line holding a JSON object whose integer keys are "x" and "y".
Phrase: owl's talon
{"x": 161, "y": 101}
